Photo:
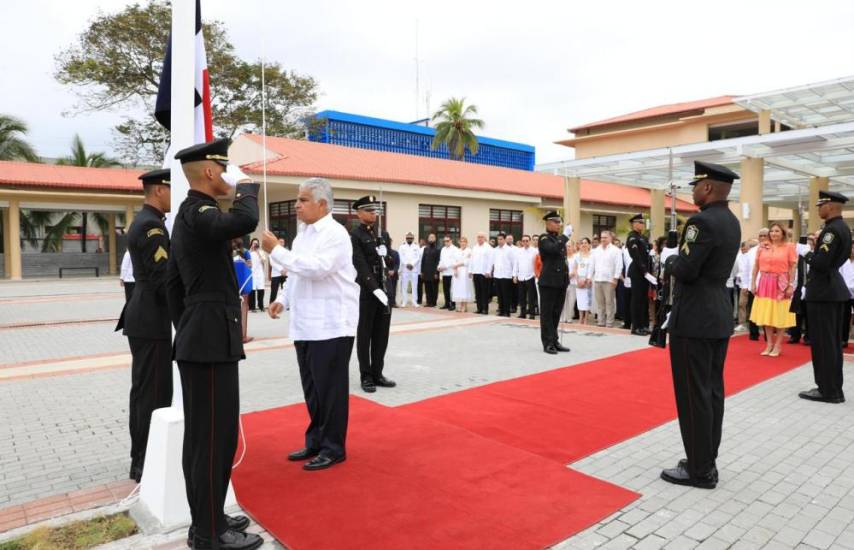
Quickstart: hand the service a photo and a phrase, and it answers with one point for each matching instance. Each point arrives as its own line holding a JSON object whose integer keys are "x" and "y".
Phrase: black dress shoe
{"x": 640, "y": 332}
{"x": 303, "y": 454}
{"x": 384, "y": 382}
{"x": 793, "y": 340}
{"x": 236, "y": 523}
{"x": 680, "y": 476}
{"x": 816, "y": 395}
{"x": 560, "y": 347}
{"x": 684, "y": 464}
{"x": 521, "y": 316}
{"x": 230, "y": 540}
{"x": 322, "y": 462}
{"x": 368, "y": 386}
{"x": 136, "y": 473}
{"x": 551, "y": 350}
{"x": 531, "y": 317}
{"x": 754, "y": 338}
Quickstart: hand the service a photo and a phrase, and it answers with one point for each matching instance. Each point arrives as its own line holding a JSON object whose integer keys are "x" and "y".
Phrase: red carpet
{"x": 411, "y": 482}
{"x": 569, "y": 413}
{"x": 481, "y": 468}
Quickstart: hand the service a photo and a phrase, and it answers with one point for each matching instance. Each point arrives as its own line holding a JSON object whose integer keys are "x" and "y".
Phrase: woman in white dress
{"x": 583, "y": 264}
{"x": 461, "y": 290}
{"x": 259, "y": 276}
{"x": 569, "y": 302}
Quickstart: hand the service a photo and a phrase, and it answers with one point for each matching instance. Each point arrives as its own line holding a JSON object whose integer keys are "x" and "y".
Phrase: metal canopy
{"x": 825, "y": 148}
{"x": 813, "y": 105}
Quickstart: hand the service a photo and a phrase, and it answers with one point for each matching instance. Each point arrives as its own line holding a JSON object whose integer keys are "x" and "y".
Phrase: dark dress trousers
{"x": 392, "y": 265}
{"x": 639, "y": 251}
{"x": 145, "y": 322}
{"x": 826, "y": 299}
{"x": 554, "y": 280}
{"x": 700, "y": 327}
{"x": 374, "y": 317}
{"x": 430, "y": 273}
{"x": 205, "y": 309}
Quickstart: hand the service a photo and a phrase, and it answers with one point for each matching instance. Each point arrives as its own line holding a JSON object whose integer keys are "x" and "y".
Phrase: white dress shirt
{"x": 503, "y": 260}
{"x": 742, "y": 278}
{"x": 126, "y": 273}
{"x": 847, "y": 271}
{"x": 524, "y": 265}
{"x": 448, "y": 258}
{"x": 322, "y": 291}
{"x": 751, "y": 261}
{"x": 410, "y": 254}
{"x": 627, "y": 261}
{"x": 481, "y": 259}
{"x": 607, "y": 263}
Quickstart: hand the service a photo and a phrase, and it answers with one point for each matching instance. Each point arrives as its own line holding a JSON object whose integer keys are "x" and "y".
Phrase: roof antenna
{"x": 417, "y": 74}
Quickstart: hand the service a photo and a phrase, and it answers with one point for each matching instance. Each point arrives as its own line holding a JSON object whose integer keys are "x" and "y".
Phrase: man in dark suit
{"x": 145, "y": 317}
{"x": 392, "y": 273}
{"x": 205, "y": 309}
{"x": 554, "y": 280}
{"x": 430, "y": 270}
{"x": 798, "y": 307}
{"x": 826, "y": 298}
{"x": 638, "y": 247}
{"x": 701, "y": 323}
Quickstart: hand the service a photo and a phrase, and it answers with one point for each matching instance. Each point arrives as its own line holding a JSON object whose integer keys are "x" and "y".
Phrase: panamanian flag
{"x": 163, "y": 107}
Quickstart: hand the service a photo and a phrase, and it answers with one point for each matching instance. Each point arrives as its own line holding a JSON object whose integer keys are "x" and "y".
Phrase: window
{"x": 345, "y": 214}
{"x": 441, "y": 220}
{"x": 727, "y": 131}
{"x": 603, "y": 223}
{"x": 283, "y": 220}
{"x": 508, "y": 221}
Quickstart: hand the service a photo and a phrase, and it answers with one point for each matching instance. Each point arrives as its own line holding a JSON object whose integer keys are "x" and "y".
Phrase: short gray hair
{"x": 320, "y": 189}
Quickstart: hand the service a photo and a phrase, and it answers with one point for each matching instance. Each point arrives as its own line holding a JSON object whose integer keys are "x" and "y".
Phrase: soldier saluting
{"x": 145, "y": 317}
{"x": 701, "y": 323}
{"x": 369, "y": 253}
{"x": 826, "y": 297}
{"x": 205, "y": 308}
{"x": 638, "y": 247}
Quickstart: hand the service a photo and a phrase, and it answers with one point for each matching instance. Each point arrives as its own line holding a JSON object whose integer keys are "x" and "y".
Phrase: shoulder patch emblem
{"x": 207, "y": 207}
{"x": 828, "y": 238}
{"x": 160, "y": 254}
{"x": 691, "y": 233}
{"x": 155, "y": 231}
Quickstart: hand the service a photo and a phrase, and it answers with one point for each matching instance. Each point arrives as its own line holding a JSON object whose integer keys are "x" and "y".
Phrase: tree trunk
{"x": 83, "y": 230}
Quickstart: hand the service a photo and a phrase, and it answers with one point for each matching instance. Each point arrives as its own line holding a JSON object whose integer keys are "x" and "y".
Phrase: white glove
{"x": 381, "y": 250}
{"x": 233, "y": 175}
{"x": 381, "y": 297}
{"x": 567, "y": 231}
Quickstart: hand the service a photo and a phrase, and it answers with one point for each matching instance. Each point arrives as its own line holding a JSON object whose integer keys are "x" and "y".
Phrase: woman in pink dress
{"x": 775, "y": 264}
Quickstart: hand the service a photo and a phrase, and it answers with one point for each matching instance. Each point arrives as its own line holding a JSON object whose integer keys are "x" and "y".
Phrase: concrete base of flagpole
{"x": 162, "y": 506}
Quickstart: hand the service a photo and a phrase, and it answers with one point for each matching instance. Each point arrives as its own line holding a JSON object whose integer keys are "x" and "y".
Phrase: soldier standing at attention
{"x": 638, "y": 248}
{"x": 701, "y": 323}
{"x": 369, "y": 253}
{"x": 554, "y": 280}
{"x": 205, "y": 308}
{"x": 145, "y": 317}
{"x": 826, "y": 298}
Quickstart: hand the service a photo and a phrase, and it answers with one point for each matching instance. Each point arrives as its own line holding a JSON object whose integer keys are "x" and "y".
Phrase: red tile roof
{"x": 308, "y": 159}
{"x": 672, "y": 109}
{"x": 51, "y": 176}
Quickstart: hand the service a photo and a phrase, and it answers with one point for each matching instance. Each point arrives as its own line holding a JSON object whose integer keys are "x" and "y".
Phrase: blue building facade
{"x": 412, "y": 139}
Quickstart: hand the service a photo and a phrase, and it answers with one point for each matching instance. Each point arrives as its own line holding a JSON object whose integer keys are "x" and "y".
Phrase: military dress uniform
{"x": 145, "y": 322}
{"x": 369, "y": 253}
{"x": 700, "y": 327}
{"x": 205, "y": 309}
{"x": 554, "y": 280}
{"x": 826, "y": 298}
{"x": 638, "y": 247}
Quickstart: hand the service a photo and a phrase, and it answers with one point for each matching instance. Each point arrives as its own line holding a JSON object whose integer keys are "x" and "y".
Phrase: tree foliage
{"x": 80, "y": 157}
{"x": 116, "y": 63}
{"x": 455, "y": 127}
{"x": 13, "y": 146}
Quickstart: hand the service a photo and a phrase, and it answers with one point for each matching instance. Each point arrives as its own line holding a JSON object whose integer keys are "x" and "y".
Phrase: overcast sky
{"x": 533, "y": 68}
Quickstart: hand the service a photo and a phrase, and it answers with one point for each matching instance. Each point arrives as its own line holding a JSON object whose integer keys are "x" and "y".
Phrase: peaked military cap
{"x": 830, "y": 196}
{"x": 160, "y": 176}
{"x": 714, "y": 172}
{"x": 552, "y": 215}
{"x": 216, "y": 150}
{"x": 636, "y": 218}
{"x": 368, "y": 201}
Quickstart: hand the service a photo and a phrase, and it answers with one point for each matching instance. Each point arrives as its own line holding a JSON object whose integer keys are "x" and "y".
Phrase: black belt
{"x": 215, "y": 297}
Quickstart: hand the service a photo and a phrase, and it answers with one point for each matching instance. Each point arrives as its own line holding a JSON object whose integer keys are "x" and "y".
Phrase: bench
{"x": 96, "y": 268}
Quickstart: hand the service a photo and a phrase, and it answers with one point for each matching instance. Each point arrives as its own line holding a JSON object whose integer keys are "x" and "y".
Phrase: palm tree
{"x": 455, "y": 128}
{"x": 12, "y": 145}
{"x": 79, "y": 157}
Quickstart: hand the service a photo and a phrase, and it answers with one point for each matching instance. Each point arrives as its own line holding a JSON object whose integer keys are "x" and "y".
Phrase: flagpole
{"x": 264, "y": 118}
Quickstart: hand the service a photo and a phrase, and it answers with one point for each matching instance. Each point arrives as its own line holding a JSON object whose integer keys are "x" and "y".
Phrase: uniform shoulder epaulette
{"x": 155, "y": 231}
{"x": 206, "y": 207}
